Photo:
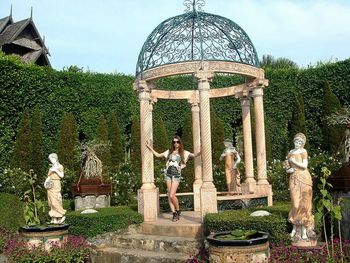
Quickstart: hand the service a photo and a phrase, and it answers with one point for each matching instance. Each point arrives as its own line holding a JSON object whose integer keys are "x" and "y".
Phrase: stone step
{"x": 121, "y": 255}
{"x": 157, "y": 243}
{"x": 188, "y": 226}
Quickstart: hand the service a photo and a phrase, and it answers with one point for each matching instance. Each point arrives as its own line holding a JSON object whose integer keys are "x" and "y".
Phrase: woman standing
{"x": 176, "y": 158}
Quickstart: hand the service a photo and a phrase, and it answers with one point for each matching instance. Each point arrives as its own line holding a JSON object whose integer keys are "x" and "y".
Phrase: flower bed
{"x": 74, "y": 249}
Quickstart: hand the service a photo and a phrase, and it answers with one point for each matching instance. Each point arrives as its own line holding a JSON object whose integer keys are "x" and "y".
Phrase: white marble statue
{"x": 53, "y": 187}
{"x": 300, "y": 186}
{"x": 232, "y": 159}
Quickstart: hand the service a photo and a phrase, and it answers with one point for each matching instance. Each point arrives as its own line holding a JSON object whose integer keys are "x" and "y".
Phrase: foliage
{"x": 325, "y": 207}
{"x": 188, "y": 175}
{"x": 32, "y": 205}
{"x": 297, "y": 123}
{"x": 106, "y": 220}
{"x": 135, "y": 146}
{"x": 269, "y": 61}
{"x": 73, "y": 91}
{"x": 160, "y": 143}
{"x": 275, "y": 224}
{"x": 217, "y": 136}
{"x": 283, "y": 253}
{"x": 11, "y": 210}
{"x": 115, "y": 137}
{"x": 36, "y": 143}
{"x": 23, "y": 144}
{"x": 68, "y": 141}
{"x": 74, "y": 249}
{"x": 105, "y": 154}
{"x": 332, "y": 135}
{"x": 125, "y": 185}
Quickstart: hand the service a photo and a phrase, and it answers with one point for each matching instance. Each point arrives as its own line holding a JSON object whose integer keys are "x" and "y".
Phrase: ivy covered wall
{"x": 88, "y": 95}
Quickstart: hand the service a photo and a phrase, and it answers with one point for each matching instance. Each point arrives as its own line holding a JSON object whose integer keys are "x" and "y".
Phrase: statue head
{"x": 53, "y": 158}
{"x": 299, "y": 140}
{"x": 228, "y": 143}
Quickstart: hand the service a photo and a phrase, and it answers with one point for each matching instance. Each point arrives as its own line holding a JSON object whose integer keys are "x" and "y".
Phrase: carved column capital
{"x": 204, "y": 75}
{"x": 257, "y": 92}
{"x": 245, "y": 101}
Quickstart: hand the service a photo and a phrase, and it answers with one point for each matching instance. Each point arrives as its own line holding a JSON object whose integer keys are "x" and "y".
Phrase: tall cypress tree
{"x": 217, "y": 136}
{"x": 102, "y": 137}
{"x": 135, "y": 146}
{"x": 298, "y": 123}
{"x": 160, "y": 135}
{"x": 332, "y": 135}
{"x": 187, "y": 139}
{"x": 117, "y": 148}
{"x": 37, "y": 154}
{"x": 22, "y": 148}
{"x": 68, "y": 140}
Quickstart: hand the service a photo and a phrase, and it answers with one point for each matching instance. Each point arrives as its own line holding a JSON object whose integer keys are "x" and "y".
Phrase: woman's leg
{"x": 168, "y": 186}
{"x": 172, "y": 194}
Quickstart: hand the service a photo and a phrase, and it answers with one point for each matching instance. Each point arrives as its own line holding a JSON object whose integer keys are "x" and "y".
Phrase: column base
{"x": 208, "y": 201}
{"x": 148, "y": 203}
{"x": 197, "y": 195}
{"x": 262, "y": 181}
{"x": 265, "y": 189}
{"x": 248, "y": 187}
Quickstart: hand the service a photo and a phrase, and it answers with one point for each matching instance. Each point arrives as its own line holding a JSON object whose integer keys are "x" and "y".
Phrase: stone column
{"x": 147, "y": 195}
{"x": 208, "y": 190}
{"x": 260, "y": 136}
{"x": 196, "y": 148}
{"x": 248, "y": 149}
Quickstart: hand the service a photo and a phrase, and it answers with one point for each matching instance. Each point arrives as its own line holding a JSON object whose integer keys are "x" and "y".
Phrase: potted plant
{"x": 238, "y": 246}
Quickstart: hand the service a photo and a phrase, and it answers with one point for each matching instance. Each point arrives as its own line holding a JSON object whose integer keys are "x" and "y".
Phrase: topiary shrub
{"x": 107, "y": 219}
{"x": 275, "y": 224}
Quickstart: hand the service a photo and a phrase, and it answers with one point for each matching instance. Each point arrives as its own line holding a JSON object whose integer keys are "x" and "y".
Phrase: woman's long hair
{"x": 181, "y": 148}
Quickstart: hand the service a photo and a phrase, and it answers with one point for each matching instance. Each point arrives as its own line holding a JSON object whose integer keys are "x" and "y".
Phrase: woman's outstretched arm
{"x": 158, "y": 155}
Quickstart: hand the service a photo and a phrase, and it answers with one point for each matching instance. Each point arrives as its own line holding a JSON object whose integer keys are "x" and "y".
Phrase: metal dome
{"x": 196, "y": 36}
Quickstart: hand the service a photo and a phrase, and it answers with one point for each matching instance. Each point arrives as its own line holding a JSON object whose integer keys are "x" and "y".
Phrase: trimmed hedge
{"x": 275, "y": 224}
{"x": 11, "y": 212}
{"x": 107, "y": 219}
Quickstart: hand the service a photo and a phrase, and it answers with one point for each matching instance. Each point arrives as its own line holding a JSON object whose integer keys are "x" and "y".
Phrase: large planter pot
{"x": 255, "y": 249}
{"x": 47, "y": 235}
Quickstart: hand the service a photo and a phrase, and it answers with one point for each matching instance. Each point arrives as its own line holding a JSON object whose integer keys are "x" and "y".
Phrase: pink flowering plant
{"x": 75, "y": 249}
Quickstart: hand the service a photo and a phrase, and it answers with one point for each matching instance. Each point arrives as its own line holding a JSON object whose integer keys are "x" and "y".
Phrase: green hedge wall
{"x": 106, "y": 220}
{"x": 88, "y": 95}
{"x": 11, "y": 212}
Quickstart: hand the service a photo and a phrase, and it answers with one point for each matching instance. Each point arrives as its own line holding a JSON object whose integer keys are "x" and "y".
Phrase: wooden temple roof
{"x": 23, "y": 39}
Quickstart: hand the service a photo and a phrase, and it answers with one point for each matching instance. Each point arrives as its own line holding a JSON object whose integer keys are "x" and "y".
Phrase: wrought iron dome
{"x": 196, "y": 36}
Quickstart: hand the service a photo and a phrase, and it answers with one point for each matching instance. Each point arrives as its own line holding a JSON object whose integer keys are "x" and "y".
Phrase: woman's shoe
{"x": 175, "y": 217}
{"x": 178, "y": 212}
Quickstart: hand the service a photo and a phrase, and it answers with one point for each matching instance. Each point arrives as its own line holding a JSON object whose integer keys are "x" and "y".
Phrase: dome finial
{"x": 194, "y": 5}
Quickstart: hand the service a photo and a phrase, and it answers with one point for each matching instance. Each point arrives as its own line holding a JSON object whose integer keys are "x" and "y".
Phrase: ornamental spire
{"x": 194, "y": 5}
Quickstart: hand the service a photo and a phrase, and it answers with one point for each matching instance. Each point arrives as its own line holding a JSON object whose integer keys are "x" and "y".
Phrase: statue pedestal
{"x": 91, "y": 194}
{"x": 49, "y": 235}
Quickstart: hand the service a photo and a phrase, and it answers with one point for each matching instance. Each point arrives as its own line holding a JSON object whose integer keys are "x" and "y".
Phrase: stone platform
{"x": 160, "y": 241}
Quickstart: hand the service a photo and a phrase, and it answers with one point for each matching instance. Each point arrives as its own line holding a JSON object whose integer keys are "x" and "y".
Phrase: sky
{"x": 107, "y": 35}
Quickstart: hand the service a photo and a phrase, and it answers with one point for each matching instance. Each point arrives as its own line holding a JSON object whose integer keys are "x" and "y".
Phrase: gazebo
{"x": 201, "y": 44}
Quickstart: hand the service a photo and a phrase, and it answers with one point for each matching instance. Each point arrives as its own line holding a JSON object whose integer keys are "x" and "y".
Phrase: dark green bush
{"x": 275, "y": 224}
{"x": 107, "y": 219}
{"x": 11, "y": 212}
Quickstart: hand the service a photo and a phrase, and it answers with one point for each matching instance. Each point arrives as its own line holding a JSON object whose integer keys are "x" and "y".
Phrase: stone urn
{"x": 226, "y": 248}
{"x": 46, "y": 235}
